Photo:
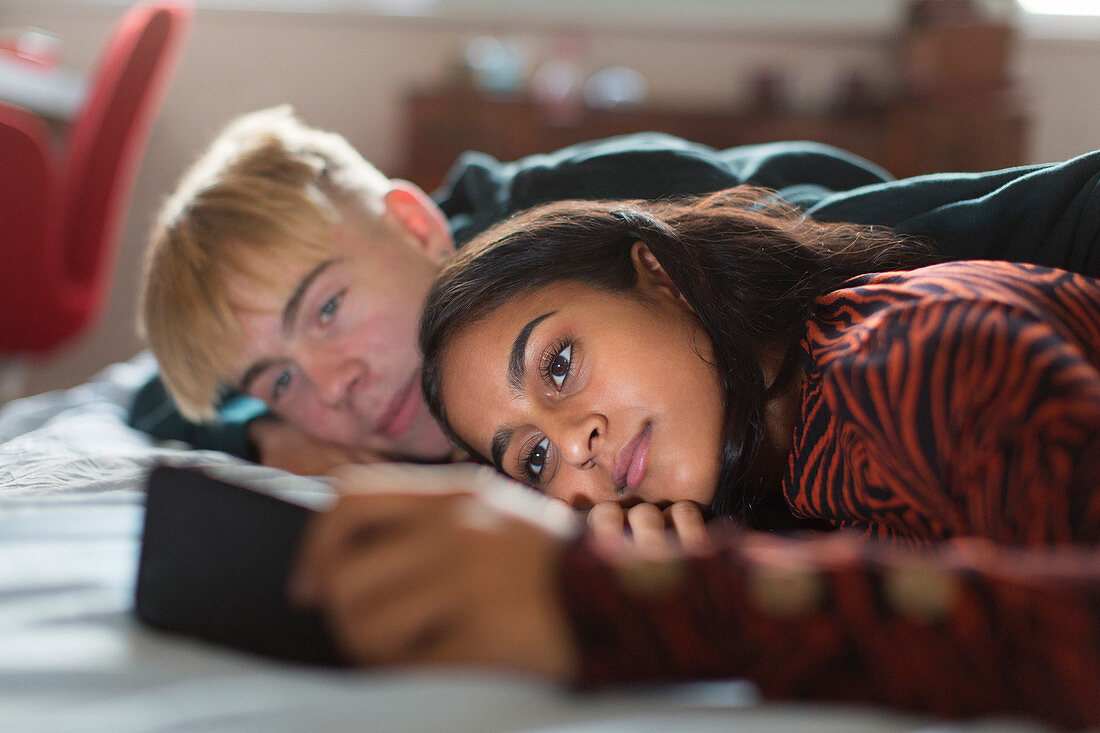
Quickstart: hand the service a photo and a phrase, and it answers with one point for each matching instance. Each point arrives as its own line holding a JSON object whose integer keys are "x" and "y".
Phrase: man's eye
{"x": 281, "y": 384}
{"x": 535, "y": 461}
{"x": 329, "y": 308}
{"x": 558, "y": 367}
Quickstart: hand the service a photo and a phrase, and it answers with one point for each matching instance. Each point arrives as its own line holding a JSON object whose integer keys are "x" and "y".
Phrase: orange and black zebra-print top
{"x": 954, "y": 410}
{"x": 956, "y": 400}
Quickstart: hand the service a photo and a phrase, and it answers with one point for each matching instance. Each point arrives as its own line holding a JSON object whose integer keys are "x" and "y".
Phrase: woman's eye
{"x": 558, "y": 368}
{"x": 536, "y": 460}
{"x": 329, "y": 308}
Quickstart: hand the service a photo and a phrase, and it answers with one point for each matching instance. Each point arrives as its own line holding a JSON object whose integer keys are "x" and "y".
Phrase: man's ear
{"x": 652, "y": 278}
{"x": 418, "y": 215}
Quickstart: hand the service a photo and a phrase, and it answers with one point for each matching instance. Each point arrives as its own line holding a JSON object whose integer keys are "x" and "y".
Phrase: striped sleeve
{"x": 969, "y": 629}
{"x": 964, "y": 418}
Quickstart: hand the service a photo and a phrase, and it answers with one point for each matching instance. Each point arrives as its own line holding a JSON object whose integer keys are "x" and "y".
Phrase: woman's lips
{"x": 401, "y": 412}
{"x": 633, "y": 458}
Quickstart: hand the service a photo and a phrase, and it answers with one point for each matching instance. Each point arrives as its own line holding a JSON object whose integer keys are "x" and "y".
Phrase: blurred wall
{"x": 349, "y": 72}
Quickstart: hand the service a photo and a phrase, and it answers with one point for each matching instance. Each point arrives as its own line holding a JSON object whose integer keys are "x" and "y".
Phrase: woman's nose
{"x": 579, "y": 440}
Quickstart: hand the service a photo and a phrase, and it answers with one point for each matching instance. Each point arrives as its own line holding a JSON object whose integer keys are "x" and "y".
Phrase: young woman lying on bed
{"x": 728, "y": 353}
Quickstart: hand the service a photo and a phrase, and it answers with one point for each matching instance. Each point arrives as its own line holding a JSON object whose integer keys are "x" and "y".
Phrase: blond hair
{"x": 264, "y": 194}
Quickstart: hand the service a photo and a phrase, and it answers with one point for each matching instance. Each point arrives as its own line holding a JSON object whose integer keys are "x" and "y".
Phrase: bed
{"x": 74, "y": 658}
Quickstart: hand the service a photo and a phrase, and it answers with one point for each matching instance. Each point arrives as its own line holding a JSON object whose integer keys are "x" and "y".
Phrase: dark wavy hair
{"x": 749, "y": 265}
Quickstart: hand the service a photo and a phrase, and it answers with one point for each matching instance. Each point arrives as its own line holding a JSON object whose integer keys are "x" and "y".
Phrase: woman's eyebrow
{"x": 517, "y": 367}
{"x": 501, "y": 439}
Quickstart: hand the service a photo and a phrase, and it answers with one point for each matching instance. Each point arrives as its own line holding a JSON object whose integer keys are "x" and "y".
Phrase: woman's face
{"x": 591, "y": 395}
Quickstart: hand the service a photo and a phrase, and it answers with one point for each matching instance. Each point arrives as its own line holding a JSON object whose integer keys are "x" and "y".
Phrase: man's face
{"x": 338, "y": 356}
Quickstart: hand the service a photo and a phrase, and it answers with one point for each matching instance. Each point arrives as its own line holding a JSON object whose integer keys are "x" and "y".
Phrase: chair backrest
{"x": 29, "y": 256}
{"x": 60, "y": 219}
{"x": 107, "y": 140}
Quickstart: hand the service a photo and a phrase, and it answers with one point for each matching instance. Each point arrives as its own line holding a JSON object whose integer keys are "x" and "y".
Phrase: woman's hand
{"x": 652, "y": 532}
{"x": 436, "y": 565}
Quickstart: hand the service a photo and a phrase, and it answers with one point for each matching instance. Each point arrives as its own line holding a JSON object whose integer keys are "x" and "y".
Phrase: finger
{"x": 399, "y": 626}
{"x": 647, "y": 528}
{"x": 385, "y": 603}
{"x": 607, "y": 523}
{"x": 496, "y": 491}
{"x": 686, "y": 518}
{"x": 506, "y": 496}
{"x": 413, "y": 479}
{"x": 386, "y": 566}
{"x": 355, "y": 520}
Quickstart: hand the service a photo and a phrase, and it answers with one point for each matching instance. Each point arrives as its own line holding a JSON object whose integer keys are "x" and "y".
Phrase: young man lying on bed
{"x": 287, "y": 268}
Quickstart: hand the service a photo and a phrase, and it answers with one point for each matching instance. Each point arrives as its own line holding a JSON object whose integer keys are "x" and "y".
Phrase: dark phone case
{"x": 215, "y": 558}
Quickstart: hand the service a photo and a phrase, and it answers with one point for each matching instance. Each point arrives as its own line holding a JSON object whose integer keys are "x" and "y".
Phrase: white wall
{"x": 1060, "y": 79}
{"x": 348, "y": 72}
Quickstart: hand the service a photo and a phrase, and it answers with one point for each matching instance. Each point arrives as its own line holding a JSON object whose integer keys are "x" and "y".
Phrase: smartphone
{"x": 214, "y": 563}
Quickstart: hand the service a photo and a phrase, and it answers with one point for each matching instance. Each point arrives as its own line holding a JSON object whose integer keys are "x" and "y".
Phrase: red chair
{"x": 62, "y": 207}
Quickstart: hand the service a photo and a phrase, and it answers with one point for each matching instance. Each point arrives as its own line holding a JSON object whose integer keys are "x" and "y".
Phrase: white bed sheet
{"x": 74, "y": 658}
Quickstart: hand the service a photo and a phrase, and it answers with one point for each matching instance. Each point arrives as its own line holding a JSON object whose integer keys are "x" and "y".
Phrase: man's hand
{"x": 649, "y": 531}
{"x": 281, "y": 444}
{"x": 447, "y": 564}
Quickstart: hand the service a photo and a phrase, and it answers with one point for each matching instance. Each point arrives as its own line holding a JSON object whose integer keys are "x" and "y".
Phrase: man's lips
{"x": 633, "y": 458}
{"x": 402, "y": 410}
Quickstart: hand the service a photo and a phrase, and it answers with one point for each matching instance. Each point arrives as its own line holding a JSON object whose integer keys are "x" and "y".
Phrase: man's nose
{"x": 332, "y": 374}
